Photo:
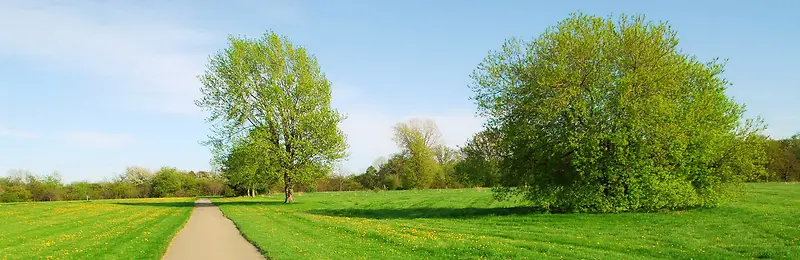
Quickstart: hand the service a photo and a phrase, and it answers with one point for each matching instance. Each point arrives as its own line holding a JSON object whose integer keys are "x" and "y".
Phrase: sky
{"x": 90, "y": 87}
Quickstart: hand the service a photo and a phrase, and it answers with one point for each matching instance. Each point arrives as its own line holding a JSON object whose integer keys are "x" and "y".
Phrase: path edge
{"x": 260, "y": 250}
{"x": 179, "y": 230}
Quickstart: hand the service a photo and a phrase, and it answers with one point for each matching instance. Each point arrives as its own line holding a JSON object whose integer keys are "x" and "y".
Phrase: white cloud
{"x": 97, "y": 139}
{"x": 5, "y": 132}
{"x": 143, "y": 57}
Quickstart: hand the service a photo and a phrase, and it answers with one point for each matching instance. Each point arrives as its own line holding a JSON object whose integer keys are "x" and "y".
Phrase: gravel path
{"x": 210, "y": 235}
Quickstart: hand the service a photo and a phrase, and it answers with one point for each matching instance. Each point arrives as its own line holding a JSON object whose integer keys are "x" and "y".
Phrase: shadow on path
{"x": 410, "y": 213}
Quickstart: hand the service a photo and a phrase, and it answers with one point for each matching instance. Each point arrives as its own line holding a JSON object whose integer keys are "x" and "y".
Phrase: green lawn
{"x": 109, "y": 229}
{"x": 467, "y": 223}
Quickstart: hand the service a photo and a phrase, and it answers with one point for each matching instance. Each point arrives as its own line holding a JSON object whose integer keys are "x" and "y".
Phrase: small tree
{"x": 598, "y": 115}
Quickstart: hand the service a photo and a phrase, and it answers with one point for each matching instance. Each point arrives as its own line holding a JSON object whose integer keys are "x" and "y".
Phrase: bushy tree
{"x": 167, "y": 182}
{"x": 45, "y": 188}
{"x": 120, "y": 188}
{"x": 447, "y": 158}
{"x": 249, "y": 166}
{"x": 79, "y": 191}
{"x": 602, "y": 116}
{"x": 16, "y": 193}
{"x": 140, "y": 178}
{"x": 14, "y": 190}
{"x": 481, "y": 159}
{"x": 784, "y": 159}
{"x": 210, "y": 187}
{"x": 417, "y": 140}
{"x": 369, "y": 179}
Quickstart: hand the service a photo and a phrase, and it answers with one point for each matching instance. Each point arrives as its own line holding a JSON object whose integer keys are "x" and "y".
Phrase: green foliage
{"x": 15, "y": 193}
{"x": 417, "y": 140}
{"x": 44, "y": 188}
{"x": 335, "y": 182}
{"x": 273, "y": 94}
{"x": 79, "y": 191}
{"x": 447, "y": 159}
{"x": 136, "y": 182}
{"x": 607, "y": 116}
{"x": 167, "y": 182}
{"x": 121, "y": 189}
{"x": 249, "y": 167}
{"x": 369, "y": 179}
{"x": 784, "y": 159}
{"x": 469, "y": 224}
{"x": 480, "y": 166}
{"x": 390, "y": 172}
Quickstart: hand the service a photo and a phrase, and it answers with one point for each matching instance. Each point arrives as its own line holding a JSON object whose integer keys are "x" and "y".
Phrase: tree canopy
{"x": 603, "y": 115}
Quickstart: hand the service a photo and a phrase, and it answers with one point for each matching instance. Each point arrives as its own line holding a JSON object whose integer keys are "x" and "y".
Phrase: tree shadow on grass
{"x": 252, "y": 203}
{"x": 172, "y": 204}
{"x": 411, "y": 213}
{"x": 180, "y": 204}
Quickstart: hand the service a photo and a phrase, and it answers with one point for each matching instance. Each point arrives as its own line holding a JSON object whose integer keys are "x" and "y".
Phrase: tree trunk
{"x": 248, "y": 192}
{"x": 254, "y": 190}
{"x": 289, "y": 194}
{"x": 288, "y": 189}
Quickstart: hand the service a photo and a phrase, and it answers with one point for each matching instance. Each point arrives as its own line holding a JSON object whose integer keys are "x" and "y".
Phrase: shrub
{"x": 605, "y": 116}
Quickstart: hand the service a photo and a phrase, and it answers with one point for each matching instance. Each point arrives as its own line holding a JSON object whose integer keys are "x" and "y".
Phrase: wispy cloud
{"x": 143, "y": 57}
{"x": 97, "y": 139}
{"x": 5, "y": 132}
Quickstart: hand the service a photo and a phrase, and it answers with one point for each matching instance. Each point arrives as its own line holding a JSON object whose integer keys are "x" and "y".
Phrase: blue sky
{"x": 89, "y": 87}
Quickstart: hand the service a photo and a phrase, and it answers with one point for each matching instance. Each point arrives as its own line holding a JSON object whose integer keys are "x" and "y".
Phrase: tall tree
{"x": 418, "y": 140}
{"x": 604, "y": 115}
{"x": 273, "y": 92}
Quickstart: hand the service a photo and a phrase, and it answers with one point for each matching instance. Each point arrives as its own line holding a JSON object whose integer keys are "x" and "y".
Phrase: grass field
{"x": 109, "y": 229}
{"x": 467, "y": 223}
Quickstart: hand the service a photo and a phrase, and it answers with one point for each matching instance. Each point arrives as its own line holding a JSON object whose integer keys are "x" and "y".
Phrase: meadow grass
{"x": 106, "y": 229}
{"x": 469, "y": 224}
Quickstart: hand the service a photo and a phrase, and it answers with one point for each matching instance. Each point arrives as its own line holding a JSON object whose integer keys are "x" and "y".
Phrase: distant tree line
{"x": 136, "y": 182}
{"x": 783, "y": 159}
{"x": 476, "y": 164}
{"x": 424, "y": 162}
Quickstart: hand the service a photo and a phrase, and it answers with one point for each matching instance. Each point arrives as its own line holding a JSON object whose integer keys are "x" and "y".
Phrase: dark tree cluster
{"x": 784, "y": 159}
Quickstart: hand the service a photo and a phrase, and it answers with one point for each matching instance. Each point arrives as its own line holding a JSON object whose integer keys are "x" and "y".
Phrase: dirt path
{"x": 209, "y": 235}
